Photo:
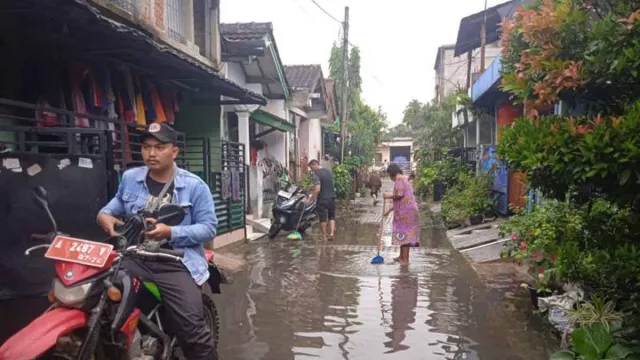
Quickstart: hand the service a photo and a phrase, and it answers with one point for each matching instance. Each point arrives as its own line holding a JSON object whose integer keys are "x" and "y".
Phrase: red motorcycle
{"x": 98, "y": 310}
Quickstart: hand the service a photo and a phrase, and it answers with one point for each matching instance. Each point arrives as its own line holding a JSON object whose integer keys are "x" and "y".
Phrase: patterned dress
{"x": 406, "y": 224}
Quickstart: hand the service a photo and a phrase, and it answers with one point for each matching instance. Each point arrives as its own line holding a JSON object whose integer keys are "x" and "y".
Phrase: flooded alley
{"x": 307, "y": 299}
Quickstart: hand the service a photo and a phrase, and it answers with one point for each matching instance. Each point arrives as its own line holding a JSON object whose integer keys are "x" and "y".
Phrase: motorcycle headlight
{"x": 70, "y": 295}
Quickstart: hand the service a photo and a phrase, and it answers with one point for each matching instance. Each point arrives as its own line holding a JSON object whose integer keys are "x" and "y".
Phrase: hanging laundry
{"x": 108, "y": 99}
{"x": 157, "y": 104}
{"x": 44, "y": 117}
{"x": 142, "y": 120}
{"x": 79, "y": 106}
{"x": 225, "y": 183}
{"x": 169, "y": 104}
{"x": 131, "y": 95}
{"x": 149, "y": 110}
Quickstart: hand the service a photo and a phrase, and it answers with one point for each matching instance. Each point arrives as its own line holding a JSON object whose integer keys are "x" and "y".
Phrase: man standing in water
{"x": 324, "y": 191}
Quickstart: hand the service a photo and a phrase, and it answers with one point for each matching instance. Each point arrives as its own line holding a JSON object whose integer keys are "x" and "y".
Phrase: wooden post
{"x": 469, "y": 62}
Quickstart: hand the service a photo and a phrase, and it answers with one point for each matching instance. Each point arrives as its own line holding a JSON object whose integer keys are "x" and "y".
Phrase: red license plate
{"x": 79, "y": 251}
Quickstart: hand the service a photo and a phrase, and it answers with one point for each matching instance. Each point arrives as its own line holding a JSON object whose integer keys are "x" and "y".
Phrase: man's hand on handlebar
{"x": 108, "y": 224}
{"x": 159, "y": 231}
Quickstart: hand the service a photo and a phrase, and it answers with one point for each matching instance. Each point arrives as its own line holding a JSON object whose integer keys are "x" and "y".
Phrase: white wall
{"x": 453, "y": 70}
{"x": 314, "y": 139}
{"x": 310, "y": 140}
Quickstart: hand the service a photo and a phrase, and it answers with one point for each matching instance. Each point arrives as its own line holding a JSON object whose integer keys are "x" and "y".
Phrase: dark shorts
{"x": 326, "y": 209}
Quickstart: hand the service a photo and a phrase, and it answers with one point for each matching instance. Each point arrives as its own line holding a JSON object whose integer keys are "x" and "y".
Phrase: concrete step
{"x": 256, "y": 236}
{"x": 485, "y": 253}
{"x": 259, "y": 225}
{"x": 249, "y": 229}
{"x": 466, "y": 241}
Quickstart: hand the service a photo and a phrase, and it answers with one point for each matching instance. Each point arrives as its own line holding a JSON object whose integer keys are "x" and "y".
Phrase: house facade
{"x": 77, "y": 87}
{"x": 481, "y": 130}
{"x": 251, "y": 58}
{"x": 313, "y": 107}
{"x": 451, "y": 70}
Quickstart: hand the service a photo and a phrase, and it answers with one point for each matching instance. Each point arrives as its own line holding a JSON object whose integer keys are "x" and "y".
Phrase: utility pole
{"x": 345, "y": 82}
{"x": 483, "y": 36}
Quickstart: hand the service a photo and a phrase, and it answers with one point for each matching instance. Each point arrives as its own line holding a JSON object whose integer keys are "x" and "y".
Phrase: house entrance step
{"x": 259, "y": 225}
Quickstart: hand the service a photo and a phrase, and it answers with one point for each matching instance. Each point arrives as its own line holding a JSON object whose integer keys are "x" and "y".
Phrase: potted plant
{"x": 540, "y": 288}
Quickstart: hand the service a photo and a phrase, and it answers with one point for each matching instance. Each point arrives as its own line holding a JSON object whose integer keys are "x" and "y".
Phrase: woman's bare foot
{"x": 396, "y": 259}
{"x": 403, "y": 262}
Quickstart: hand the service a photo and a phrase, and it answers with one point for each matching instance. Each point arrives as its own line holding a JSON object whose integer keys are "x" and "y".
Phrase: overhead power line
{"x": 326, "y": 12}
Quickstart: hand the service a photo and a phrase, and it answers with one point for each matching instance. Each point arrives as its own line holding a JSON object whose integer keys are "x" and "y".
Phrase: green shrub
{"x": 471, "y": 196}
{"x": 446, "y": 171}
{"x": 342, "y": 181}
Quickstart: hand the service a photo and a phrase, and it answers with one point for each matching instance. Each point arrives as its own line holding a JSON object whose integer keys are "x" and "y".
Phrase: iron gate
{"x": 221, "y": 165}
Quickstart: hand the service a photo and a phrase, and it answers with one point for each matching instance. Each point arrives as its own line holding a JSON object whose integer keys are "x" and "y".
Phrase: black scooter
{"x": 290, "y": 212}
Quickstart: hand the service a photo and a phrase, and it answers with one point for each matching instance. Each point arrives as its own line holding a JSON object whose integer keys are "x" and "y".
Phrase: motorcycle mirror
{"x": 42, "y": 200}
{"x": 170, "y": 214}
{"x": 41, "y": 196}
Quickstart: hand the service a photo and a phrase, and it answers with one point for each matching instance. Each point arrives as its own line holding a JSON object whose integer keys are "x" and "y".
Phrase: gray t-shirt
{"x": 324, "y": 177}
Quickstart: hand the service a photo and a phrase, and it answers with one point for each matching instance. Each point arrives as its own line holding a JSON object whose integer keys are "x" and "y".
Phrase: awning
{"x": 85, "y": 31}
{"x": 274, "y": 122}
{"x": 471, "y": 26}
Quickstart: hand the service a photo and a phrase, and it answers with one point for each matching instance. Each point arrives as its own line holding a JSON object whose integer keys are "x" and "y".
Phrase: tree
{"x": 365, "y": 124}
{"x": 430, "y": 125}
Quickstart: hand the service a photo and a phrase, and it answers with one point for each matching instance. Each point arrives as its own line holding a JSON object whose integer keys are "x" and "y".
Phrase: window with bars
{"x": 176, "y": 22}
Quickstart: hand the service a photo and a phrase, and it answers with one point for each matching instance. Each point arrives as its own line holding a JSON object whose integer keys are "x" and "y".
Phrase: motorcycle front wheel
{"x": 274, "y": 230}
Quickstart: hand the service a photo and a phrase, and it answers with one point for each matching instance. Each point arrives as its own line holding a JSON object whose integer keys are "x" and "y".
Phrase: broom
{"x": 378, "y": 259}
{"x": 295, "y": 235}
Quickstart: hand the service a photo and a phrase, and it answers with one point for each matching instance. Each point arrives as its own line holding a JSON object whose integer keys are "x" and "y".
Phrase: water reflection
{"x": 404, "y": 300}
{"x": 301, "y": 300}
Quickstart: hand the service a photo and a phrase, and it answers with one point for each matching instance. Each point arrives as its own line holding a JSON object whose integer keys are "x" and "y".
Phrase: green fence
{"x": 212, "y": 159}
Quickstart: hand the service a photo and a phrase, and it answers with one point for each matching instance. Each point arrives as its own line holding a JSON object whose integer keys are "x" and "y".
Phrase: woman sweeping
{"x": 406, "y": 223}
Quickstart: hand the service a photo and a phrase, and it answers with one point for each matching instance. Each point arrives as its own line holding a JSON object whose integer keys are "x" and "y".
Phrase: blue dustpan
{"x": 377, "y": 259}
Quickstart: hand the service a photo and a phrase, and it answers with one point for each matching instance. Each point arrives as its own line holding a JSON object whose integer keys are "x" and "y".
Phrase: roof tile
{"x": 245, "y": 31}
{"x": 303, "y": 76}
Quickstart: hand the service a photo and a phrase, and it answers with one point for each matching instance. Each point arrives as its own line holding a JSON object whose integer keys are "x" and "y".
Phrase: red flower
{"x": 524, "y": 246}
{"x": 582, "y": 129}
{"x": 537, "y": 255}
{"x": 554, "y": 258}
{"x": 514, "y": 236}
{"x": 540, "y": 270}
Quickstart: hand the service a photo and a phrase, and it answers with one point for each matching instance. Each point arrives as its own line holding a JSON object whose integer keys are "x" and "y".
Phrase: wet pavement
{"x": 311, "y": 300}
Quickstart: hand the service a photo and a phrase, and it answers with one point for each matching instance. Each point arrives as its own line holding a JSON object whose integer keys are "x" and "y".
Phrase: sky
{"x": 398, "y": 39}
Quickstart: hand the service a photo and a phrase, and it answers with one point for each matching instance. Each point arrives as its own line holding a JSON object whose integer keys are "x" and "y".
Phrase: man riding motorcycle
{"x": 147, "y": 188}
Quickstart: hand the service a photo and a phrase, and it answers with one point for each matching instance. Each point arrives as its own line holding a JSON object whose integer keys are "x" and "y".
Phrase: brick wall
{"x": 159, "y": 14}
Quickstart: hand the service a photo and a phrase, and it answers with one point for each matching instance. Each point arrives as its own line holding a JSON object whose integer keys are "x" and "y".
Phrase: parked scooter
{"x": 288, "y": 209}
{"x": 98, "y": 310}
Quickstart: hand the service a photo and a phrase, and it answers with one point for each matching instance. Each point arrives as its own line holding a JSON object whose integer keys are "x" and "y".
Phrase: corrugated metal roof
{"x": 471, "y": 26}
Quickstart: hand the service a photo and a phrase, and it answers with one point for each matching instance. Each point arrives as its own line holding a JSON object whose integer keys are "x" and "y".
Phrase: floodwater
{"x": 309, "y": 300}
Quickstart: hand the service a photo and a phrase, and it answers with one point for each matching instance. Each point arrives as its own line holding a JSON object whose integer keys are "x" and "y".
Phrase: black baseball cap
{"x": 161, "y": 132}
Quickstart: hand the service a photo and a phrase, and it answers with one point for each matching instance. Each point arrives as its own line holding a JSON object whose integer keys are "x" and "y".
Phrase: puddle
{"x": 312, "y": 300}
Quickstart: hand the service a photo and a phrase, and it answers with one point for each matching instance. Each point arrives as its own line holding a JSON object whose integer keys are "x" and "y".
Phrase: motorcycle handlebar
{"x": 40, "y": 237}
{"x": 178, "y": 253}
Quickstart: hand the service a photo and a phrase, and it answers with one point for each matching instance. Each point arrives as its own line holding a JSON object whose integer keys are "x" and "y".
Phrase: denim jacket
{"x": 198, "y": 226}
